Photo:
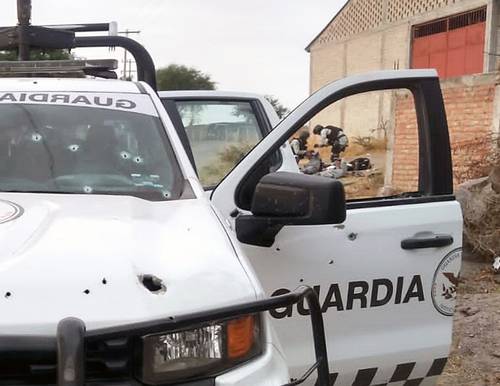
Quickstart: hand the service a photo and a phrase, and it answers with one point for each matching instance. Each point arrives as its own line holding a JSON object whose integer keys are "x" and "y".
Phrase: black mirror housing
{"x": 285, "y": 198}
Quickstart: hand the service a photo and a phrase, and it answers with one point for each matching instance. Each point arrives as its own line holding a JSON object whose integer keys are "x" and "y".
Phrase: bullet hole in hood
{"x": 153, "y": 284}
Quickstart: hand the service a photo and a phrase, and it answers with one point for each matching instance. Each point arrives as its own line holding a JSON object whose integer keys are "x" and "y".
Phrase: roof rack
{"x": 25, "y": 36}
{"x": 59, "y": 68}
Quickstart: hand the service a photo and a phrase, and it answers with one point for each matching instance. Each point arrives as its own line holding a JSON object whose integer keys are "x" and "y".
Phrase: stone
{"x": 481, "y": 212}
{"x": 469, "y": 311}
{"x": 494, "y": 179}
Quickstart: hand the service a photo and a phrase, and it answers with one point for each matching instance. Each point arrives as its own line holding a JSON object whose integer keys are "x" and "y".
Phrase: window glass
{"x": 64, "y": 149}
{"x": 220, "y": 134}
{"x": 368, "y": 141}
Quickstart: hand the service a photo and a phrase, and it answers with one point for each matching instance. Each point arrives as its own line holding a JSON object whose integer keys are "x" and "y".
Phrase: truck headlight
{"x": 202, "y": 351}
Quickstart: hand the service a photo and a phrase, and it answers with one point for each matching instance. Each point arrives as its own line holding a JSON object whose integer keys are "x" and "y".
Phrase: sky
{"x": 253, "y": 46}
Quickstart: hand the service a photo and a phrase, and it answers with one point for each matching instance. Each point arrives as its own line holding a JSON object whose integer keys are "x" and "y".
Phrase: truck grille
{"x": 108, "y": 360}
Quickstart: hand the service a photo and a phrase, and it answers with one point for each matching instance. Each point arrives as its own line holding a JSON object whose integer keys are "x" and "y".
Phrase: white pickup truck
{"x": 117, "y": 267}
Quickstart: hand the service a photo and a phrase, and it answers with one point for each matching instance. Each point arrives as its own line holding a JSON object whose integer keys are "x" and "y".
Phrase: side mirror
{"x": 285, "y": 198}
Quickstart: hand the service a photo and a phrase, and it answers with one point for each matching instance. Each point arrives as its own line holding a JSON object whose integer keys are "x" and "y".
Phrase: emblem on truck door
{"x": 9, "y": 211}
{"x": 444, "y": 285}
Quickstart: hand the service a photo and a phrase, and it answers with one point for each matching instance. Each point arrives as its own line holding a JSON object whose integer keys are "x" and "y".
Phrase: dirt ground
{"x": 475, "y": 357}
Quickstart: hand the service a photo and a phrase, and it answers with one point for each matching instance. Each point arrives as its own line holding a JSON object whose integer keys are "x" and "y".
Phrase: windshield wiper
{"x": 35, "y": 191}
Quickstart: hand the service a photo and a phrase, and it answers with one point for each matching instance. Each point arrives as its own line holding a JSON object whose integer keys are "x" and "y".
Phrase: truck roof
{"x": 208, "y": 94}
{"x": 69, "y": 84}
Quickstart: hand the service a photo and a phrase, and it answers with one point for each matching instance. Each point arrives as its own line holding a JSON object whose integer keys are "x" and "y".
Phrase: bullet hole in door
{"x": 352, "y": 236}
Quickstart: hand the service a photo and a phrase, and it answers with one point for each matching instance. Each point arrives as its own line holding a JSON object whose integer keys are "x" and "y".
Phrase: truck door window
{"x": 220, "y": 133}
{"x": 369, "y": 141}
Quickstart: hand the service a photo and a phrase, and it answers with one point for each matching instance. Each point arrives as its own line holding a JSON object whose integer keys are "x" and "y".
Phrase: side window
{"x": 220, "y": 133}
{"x": 368, "y": 141}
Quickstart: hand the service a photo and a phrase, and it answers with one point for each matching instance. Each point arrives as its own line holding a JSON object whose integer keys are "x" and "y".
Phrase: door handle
{"x": 427, "y": 241}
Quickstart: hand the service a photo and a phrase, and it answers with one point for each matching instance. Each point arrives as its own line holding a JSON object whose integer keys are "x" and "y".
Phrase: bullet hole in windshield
{"x": 124, "y": 155}
{"x": 166, "y": 194}
{"x": 88, "y": 189}
{"x": 86, "y": 292}
{"x": 73, "y": 148}
{"x": 104, "y": 281}
{"x": 138, "y": 160}
{"x": 36, "y": 137}
{"x": 8, "y": 295}
{"x": 153, "y": 284}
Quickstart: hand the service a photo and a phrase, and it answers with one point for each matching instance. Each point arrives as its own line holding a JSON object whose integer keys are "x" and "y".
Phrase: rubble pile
{"x": 480, "y": 201}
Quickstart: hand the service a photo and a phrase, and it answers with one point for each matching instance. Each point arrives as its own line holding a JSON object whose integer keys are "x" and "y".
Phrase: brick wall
{"x": 405, "y": 147}
{"x": 470, "y": 107}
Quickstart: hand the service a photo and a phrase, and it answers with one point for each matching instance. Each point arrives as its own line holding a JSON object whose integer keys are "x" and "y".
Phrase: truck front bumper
{"x": 63, "y": 359}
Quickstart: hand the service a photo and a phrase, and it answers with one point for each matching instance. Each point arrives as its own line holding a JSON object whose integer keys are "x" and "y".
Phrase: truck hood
{"x": 90, "y": 256}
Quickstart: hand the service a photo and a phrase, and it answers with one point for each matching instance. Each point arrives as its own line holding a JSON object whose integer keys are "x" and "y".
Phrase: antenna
{"x": 23, "y": 18}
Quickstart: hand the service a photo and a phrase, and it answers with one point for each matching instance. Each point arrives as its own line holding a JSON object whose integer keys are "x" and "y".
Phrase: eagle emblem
{"x": 450, "y": 291}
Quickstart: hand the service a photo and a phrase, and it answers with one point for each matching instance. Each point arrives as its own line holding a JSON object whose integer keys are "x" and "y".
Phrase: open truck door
{"x": 386, "y": 276}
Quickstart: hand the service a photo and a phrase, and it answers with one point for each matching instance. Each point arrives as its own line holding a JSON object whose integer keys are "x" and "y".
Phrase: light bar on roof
{"x": 58, "y": 68}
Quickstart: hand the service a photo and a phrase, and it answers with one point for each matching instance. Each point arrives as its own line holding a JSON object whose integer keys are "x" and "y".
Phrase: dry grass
{"x": 354, "y": 150}
{"x": 370, "y": 143}
{"x": 211, "y": 175}
{"x": 357, "y": 187}
{"x": 475, "y": 158}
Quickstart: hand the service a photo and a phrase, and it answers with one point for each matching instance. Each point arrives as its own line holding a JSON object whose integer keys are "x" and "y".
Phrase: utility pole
{"x": 127, "y": 32}
{"x": 130, "y": 69}
{"x": 24, "y": 18}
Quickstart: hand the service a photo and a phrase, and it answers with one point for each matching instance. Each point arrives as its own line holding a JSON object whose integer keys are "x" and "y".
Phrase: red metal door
{"x": 451, "y": 48}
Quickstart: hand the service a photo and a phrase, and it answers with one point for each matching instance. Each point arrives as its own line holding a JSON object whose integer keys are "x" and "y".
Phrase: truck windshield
{"x": 53, "y": 148}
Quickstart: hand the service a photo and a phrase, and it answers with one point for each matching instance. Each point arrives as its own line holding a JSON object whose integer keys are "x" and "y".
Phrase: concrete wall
{"x": 492, "y": 43}
{"x": 382, "y": 50}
